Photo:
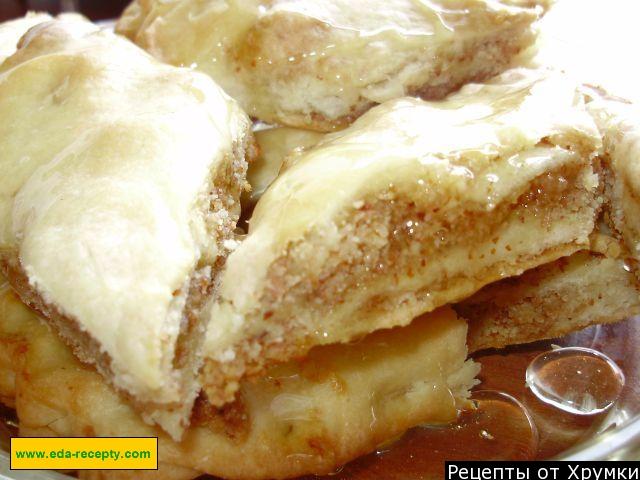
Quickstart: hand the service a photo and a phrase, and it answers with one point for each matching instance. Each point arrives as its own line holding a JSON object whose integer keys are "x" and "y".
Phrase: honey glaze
{"x": 335, "y": 62}
{"x": 498, "y": 429}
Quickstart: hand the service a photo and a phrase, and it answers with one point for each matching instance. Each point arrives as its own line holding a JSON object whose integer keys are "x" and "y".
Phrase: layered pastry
{"x": 416, "y": 205}
{"x": 546, "y": 302}
{"x": 302, "y": 417}
{"x": 321, "y": 64}
{"x": 553, "y": 300}
{"x": 119, "y": 195}
{"x": 619, "y": 122}
{"x": 292, "y": 421}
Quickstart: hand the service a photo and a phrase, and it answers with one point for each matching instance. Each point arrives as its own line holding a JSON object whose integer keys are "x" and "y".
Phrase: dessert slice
{"x": 66, "y": 395}
{"x": 619, "y": 122}
{"x": 416, "y": 205}
{"x": 321, "y": 64}
{"x": 567, "y": 295}
{"x": 121, "y": 184}
{"x": 302, "y": 417}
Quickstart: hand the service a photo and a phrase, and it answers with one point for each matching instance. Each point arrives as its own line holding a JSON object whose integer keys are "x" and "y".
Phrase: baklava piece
{"x": 590, "y": 287}
{"x": 572, "y": 293}
{"x": 303, "y": 417}
{"x": 321, "y": 64}
{"x": 120, "y": 190}
{"x": 416, "y": 205}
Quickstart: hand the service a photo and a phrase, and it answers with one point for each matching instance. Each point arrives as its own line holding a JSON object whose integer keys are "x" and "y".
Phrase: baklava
{"x": 553, "y": 300}
{"x": 376, "y": 259}
{"x": 416, "y": 205}
{"x": 312, "y": 415}
{"x": 319, "y": 64}
{"x": 120, "y": 193}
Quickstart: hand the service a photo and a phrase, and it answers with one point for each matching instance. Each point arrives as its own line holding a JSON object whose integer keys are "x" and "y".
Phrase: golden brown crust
{"x": 320, "y": 67}
{"x": 551, "y": 301}
{"x": 387, "y": 255}
{"x": 227, "y": 186}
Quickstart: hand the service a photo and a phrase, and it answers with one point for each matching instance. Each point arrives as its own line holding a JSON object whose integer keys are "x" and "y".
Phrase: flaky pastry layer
{"x": 418, "y": 204}
{"x": 114, "y": 220}
{"x": 551, "y": 301}
{"x": 321, "y": 64}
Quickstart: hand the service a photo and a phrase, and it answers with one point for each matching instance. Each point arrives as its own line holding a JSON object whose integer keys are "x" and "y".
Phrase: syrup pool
{"x": 498, "y": 427}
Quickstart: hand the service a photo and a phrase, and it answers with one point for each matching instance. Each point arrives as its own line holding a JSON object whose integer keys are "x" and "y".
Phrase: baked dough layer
{"x": 113, "y": 220}
{"x": 321, "y": 64}
{"x": 302, "y": 417}
{"x": 416, "y": 205}
{"x": 551, "y": 301}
